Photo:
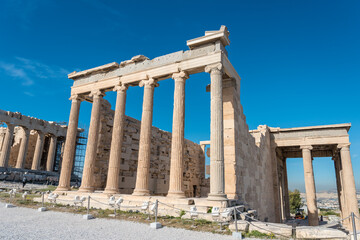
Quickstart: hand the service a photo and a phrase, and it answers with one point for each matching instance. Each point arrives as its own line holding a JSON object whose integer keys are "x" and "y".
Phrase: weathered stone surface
{"x": 319, "y": 232}
{"x": 194, "y": 158}
{"x": 242, "y": 226}
{"x": 25, "y": 137}
{"x": 279, "y": 229}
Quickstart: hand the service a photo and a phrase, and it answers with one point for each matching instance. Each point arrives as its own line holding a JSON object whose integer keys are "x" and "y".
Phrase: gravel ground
{"x": 25, "y": 223}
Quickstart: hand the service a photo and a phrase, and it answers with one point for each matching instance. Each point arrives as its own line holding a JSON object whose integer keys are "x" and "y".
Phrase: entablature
{"x": 205, "y": 51}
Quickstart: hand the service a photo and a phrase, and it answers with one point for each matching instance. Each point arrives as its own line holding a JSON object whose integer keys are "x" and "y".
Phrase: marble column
{"x": 310, "y": 186}
{"x": 87, "y": 183}
{"x": 142, "y": 176}
{"x": 282, "y": 197}
{"x": 286, "y": 190}
{"x": 112, "y": 182}
{"x": 177, "y": 142}
{"x": 51, "y": 154}
{"x": 339, "y": 185}
{"x": 20, "y": 162}
{"x": 6, "y": 149}
{"x": 38, "y": 151}
{"x": 70, "y": 145}
{"x": 217, "y": 178}
{"x": 349, "y": 183}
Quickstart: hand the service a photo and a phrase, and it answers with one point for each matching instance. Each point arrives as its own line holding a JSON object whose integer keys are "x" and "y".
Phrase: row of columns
{"x": 345, "y": 184}
{"x": 177, "y": 146}
{"x": 20, "y": 162}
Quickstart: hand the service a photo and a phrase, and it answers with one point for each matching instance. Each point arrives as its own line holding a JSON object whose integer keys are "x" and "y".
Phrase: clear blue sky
{"x": 299, "y": 60}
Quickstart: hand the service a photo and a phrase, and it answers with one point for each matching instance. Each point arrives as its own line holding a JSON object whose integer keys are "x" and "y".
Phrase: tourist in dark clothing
{"x": 24, "y": 181}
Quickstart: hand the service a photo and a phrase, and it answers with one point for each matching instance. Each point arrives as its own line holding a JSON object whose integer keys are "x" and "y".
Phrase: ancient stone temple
{"x": 29, "y": 143}
{"x": 133, "y": 158}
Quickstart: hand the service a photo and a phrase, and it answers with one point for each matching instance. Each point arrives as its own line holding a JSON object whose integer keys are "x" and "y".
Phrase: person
{"x": 24, "y": 181}
{"x": 77, "y": 183}
{"x": 321, "y": 218}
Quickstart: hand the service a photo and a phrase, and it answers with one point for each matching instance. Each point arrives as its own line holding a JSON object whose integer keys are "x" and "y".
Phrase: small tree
{"x": 295, "y": 200}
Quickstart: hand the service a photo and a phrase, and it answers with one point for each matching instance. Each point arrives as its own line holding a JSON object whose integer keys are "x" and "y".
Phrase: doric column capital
{"x": 75, "y": 97}
{"x": 307, "y": 147}
{"x": 148, "y": 83}
{"x": 96, "y": 93}
{"x": 344, "y": 147}
{"x": 214, "y": 68}
{"x": 180, "y": 76}
{"x": 121, "y": 88}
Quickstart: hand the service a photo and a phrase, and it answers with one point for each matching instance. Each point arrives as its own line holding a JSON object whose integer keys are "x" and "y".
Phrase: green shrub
{"x": 182, "y": 213}
{"x": 257, "y": 234}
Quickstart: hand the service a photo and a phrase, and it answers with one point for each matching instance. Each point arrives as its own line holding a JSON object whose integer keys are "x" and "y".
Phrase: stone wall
{"x": 194, "y": 159}
{"x": 247, "y": 157}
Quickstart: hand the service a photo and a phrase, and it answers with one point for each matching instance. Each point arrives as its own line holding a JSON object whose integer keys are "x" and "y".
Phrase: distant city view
{"x": 327, "y": 199}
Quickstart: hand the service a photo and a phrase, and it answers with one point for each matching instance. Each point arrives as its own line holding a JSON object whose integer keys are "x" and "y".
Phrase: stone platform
{"x": 167, "y": 206}
{"x": 15, "y": 174}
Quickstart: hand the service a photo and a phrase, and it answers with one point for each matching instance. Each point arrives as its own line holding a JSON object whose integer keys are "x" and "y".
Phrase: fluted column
{"x": 112, "y": 182}
{"x": 286, "y": 189}
{"x": 23, "y": 149}
{"x": 310, "y": 186}
{"x": 349, "y": 183}
{"x": 339, "y": 185}
{"x": 5, "y": 153}
{"x": 142, "y": 176}
{"x": 217, "y": 180}
{"x": 70, "y": 145}
{"x": 38, "y": 151}
{"x": 282, "y": 194}
{"x": 177, "y": 141}
{"x": 51, "y": 153}
{"x": 87, "y": 183}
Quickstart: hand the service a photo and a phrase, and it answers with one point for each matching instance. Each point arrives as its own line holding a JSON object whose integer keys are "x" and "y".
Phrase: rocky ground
{"x": 25, "y": 223}
{"x": 28, "y": 186}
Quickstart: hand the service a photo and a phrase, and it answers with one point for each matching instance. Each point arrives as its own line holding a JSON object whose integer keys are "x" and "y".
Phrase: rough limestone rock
{"x": 243, "y": 226}
{"x": 276, "y": 228}
{"x": 319, "y": 232}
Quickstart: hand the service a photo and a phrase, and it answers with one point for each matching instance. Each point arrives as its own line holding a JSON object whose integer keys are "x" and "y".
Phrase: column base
{"x": 111, "y": 191}
{"x": 86, "y": 189}
{"x": 141, "y": 192}
{"x": 217, "y": 197}
{"x": 59, "y": 189}
{"x": 313, "y": 222}
{"x": 232, "y": 196}
{"x": 176, "y": 194}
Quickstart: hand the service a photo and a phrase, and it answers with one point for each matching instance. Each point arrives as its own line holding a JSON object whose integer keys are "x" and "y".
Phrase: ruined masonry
{"x": 29, "y": 143}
